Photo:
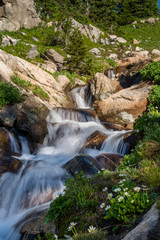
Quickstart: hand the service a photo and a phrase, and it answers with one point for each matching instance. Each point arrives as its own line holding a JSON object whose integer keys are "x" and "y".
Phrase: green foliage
{"x": 111, "y": 62}
{"x": 70, "y": 76}
{"x": 21, "y": 83}
{"x": 38, "y": 91}
{"x": 151, "y": 72}
{"x": 127, "y": 202}
{"x": 154, "y": 98}
{"x": 8, "y": 94}
{"x": 149, "y": 172}
{"x": 96, "y": 236}
{"x": 135, "y": 157}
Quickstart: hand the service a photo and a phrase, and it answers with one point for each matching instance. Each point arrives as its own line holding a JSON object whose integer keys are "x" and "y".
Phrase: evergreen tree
{"x": 78, "y": 60}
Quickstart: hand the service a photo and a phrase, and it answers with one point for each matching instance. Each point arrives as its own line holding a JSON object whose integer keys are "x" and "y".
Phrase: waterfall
{"x": 82, "y": 97}
{"x": 42, "y": 175}
{"x": 111, "y": 73}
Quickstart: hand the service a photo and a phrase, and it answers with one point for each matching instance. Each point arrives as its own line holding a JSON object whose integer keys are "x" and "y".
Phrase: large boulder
{"x": 8, "y": 116}
{"x": 85, "y": 163}
{"x": 32, "y": 228}
{"x": 55, "y": 57}
{"x": 31, "y": 119}
{"x": 109, "y": 161}
{"x": 18, "y": 13}
{"x": 103, "y": 87}
{"x": 124, "y": 106}
{"x": 146, "y": 227}
{"x": 9, "y": 164}
{"x": 95, "y": 140}
{"x": 29, "y": 72}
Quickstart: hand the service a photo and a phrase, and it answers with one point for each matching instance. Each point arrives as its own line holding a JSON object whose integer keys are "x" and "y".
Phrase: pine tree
{"x": 77, "y": 50}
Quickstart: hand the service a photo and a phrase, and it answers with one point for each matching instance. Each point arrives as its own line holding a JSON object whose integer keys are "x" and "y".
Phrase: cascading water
{"x": 82, "y": 97}
{"x": 42, "y": 176}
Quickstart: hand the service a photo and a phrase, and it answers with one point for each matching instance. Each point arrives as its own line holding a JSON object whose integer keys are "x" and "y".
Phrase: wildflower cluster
{"x": 126, "y": 200}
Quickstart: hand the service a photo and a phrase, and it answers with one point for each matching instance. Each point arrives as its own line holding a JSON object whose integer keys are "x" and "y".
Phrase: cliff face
{"x": 17, "y": 13}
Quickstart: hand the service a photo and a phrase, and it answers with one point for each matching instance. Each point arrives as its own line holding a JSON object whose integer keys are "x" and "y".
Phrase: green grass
{"x": 146, "y": 34}
{"x": 38, "y": 91}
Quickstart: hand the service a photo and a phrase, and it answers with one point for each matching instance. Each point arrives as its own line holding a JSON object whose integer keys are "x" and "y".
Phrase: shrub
{"x": 8, "y": 94}
{"x": 151, "y": 72}
{"x": 154, "y": 98}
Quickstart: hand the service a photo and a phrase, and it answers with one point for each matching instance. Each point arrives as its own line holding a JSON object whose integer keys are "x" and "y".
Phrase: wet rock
{"x": 5, "y": 147}
{"x": 131, "y": 139}
{"x": 147, "y": 225}
{"x": 31, "y": 119}
{"x": 32, "y": 228}
{"x": 109, "y": 161}
{"x": 9, "y": 164}
{"x": 85, "y": 163}
{"x": 103, "y": 87}
{"x": 95, "y": 140}
{"x": 132, "y": 101}
{"x": 8, "y": 116}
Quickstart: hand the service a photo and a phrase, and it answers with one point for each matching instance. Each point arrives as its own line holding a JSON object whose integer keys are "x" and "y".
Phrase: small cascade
{"x": 111, "y": 73}
{"x": 82, "y": 97}
{"x": 15, "y": 147}
{"x": 58, "y": 115}
{"x": 42, "y": 175}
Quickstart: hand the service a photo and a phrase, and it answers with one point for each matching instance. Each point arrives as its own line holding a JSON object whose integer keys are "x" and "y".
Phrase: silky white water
{"x": 41, "y": 176}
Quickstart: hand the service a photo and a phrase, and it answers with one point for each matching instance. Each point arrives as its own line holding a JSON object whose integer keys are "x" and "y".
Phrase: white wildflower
{"x": 120, "y": 199}
{"x": 137, "y": 189}
{"x": 102, "y": 205}
{"x": 107, "y": 207}
{"x": 91, "y": 229}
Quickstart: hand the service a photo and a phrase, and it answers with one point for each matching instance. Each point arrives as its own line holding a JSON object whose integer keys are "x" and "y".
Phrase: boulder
{"x": 124, "y": 106}
{"x": 64, "y": 82}
{"x": 156, "y": 52}
{"x": 32, "y": 228}
{"x": 18, "y": 13}
{"x": 32, "y": 53}
{"x": 9, "y": 164}
{"x": 55, "y": 57}
{"x": 147, "y": 225}
{"x": 95, "y": 140}
{"x": 103, "y": 87}
{"x": 85, "y": 163}
{"x": 113, "y": 56}
{"x": 151, "y": 20}
{"x": 5, "y": 41}
{"x": 95, "y": 51}
{"x": 112, "y": 37}
{"x": 79, "y": 82}
{"x": 33, "y": 74}
{"x": 109, "y": 161}
{"x": 121, "y": 40}
{"x": 31, "y": 119}
{"x": 8, "y": 116}
{"x": 135, "y": 41}
{"x": 89, "y": 31}
{"x": 49, "y": 66}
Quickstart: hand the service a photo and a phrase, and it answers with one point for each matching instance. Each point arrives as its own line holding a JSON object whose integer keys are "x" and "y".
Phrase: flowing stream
{"x": 41, "y": 176}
